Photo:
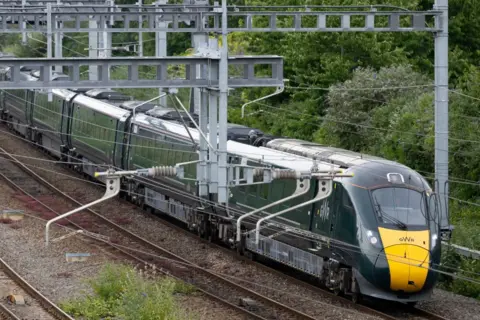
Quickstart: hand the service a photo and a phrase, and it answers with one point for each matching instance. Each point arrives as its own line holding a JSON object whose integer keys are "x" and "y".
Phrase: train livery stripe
{"x": 408, "y": 258}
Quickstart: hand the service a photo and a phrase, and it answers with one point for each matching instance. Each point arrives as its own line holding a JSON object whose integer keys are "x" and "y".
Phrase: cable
{"x": 468, "y": 182}
{"x": 97, "y": 184}
{"x": 359, "y": 89}
{"x": 173, "y": 143}
{"x": 364, "y": 126}
{"x": 463, "y": 94}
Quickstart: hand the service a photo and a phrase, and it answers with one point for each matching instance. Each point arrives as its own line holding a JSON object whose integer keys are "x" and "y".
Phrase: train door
{"x": 346, "y": 219}
{"x": 29, "y": 105}
{"x": 67, "y": 122}
{"x": 323, "y": 220}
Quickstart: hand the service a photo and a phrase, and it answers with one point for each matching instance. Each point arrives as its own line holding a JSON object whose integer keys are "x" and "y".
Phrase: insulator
{"x": 164, "y": 171}
{"x": 257, "y": 172}
{"x": 285, "y": 174}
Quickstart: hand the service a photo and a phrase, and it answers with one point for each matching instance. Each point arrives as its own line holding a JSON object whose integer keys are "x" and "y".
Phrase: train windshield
{"x": 401, "y": 207}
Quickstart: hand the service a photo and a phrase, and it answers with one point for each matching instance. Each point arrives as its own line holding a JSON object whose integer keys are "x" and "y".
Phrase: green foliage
{"x": 460, "y": 282}
{"x": 353, "y": 105}
{"x": 120, "y": 292}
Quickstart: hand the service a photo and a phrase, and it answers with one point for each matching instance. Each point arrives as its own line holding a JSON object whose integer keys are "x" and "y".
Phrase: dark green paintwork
{"x": 95, "y": 130}
{"x": 149, "y": 147}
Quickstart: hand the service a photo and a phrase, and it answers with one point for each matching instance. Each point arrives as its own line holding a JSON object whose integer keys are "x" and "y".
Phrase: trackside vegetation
{"x": 122, "y": 292}
{"x": 367, "y": 92}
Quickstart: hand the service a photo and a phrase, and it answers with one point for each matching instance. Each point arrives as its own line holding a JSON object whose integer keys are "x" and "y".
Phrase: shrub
{"x": 120, "y": 292}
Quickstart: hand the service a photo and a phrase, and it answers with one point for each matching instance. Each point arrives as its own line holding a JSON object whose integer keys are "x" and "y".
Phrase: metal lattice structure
{"x": 204, "y": 19}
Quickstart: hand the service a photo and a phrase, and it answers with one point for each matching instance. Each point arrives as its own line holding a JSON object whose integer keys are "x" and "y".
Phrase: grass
{"x": 122, "y": 292}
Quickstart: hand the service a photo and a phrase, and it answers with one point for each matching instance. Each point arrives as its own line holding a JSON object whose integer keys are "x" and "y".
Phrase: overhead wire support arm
{"x": 194, "y": 123}
{"x": 277, "y": 92}
{"x": 113, "y": 185}
{"x": 302, "y": 188}
{"x": 323, "y": 192}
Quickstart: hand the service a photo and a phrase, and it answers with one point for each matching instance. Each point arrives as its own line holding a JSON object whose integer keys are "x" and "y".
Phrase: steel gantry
{"x": 209, "y": 68}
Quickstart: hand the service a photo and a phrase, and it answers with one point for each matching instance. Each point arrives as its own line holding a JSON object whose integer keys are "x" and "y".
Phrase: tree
{"x": 356, "y": 104}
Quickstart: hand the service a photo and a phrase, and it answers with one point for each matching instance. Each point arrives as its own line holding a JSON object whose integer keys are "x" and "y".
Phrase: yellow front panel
{"x": 408, "y": 256}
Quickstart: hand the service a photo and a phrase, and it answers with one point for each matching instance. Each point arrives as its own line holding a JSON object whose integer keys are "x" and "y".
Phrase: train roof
{"x": 132, "y": 104}
{"x": 341, "y": 157}
{"x": 64, "y": 94}
{"x": 107, "y": 94}
{"x": 369, "y": 171}
{"x": 101, "y": 107}
{"x": 265, "y": 155}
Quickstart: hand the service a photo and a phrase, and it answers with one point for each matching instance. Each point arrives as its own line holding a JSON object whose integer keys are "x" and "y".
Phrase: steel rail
{"x": 46, "y": 304}
{"x": 6, "y": 314}
{"x": 267, "y": 301}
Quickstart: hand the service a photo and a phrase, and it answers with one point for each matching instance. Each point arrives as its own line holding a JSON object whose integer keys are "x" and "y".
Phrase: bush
{"x": 460, "y": 267}
{"x": 125, "y": 293}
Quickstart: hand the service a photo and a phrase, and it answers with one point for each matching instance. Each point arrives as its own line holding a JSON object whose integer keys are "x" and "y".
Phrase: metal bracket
{"x": 277, "y": 91}
{"x": 113, "y": 188}
{"x": 324, "y": 191}
{"x": 303, "y": 186}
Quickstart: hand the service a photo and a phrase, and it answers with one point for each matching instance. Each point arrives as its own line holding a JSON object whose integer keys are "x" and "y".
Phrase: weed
{"x": 121, "y": 292}
{"x": 184, "y": 288}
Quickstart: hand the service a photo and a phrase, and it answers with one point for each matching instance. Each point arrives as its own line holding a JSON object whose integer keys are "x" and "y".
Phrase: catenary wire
{"x": 166, "y": 201}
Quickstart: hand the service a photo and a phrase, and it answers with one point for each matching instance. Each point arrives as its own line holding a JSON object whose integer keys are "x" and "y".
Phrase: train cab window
{"x": 400, "y": 206}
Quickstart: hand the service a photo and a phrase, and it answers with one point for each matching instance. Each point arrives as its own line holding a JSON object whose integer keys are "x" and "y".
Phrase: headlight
{"x": 373, "y": 238}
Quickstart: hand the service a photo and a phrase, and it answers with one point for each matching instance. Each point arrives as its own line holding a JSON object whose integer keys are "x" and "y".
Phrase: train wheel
{"x": 337, "y": 291}
{"x": 356, "y": 297}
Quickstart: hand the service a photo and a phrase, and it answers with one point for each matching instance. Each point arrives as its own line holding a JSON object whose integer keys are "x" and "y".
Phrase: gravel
{"x": 23, "y": 248}
{"x": 275, "y": 286}
{"x": 452, "y": 306}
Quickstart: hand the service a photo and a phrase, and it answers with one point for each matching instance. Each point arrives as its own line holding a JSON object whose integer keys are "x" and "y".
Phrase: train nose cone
{"x": 407, "y": 262}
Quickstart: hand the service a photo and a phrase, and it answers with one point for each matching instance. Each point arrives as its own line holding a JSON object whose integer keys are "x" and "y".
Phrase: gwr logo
{"x": 406, "y": 239}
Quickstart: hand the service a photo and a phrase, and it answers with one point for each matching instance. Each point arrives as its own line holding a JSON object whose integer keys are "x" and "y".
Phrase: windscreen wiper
{"x": 383, "y": 214}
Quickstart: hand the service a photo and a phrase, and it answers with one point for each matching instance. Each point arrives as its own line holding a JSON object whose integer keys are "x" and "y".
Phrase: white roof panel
{"x": 101, "y": 107}
{"x": 268, "y": 156}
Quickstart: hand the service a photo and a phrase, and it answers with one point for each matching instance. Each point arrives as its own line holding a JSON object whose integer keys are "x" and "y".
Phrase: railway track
{"x": 201, "y": 276}
{"x": 15, "y": 282}
{"x": 254, "y": 305}
{"x": 6, "y": 314}
{"x": 360, "y": 307}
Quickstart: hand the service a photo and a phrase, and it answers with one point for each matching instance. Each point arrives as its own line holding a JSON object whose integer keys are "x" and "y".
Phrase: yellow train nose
{"x": 408, "y": 257}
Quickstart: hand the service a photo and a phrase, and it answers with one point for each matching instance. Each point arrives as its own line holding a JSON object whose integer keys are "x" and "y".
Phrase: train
{"x": 375, "y": 235}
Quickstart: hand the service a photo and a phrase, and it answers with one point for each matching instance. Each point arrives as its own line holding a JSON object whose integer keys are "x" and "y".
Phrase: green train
{"x": 374, "y": 234}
